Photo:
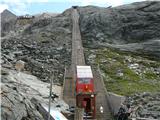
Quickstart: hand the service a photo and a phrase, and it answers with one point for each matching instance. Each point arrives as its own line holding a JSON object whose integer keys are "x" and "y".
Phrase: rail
{"x": 69, "y": 84}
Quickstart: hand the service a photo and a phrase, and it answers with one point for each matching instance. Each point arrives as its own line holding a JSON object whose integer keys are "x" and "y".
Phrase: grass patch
{"x": 130, "y": 74}
{"x": 130, "y": 87}
{"x": 112, "y": 61}
{"x": 150, "y": 75}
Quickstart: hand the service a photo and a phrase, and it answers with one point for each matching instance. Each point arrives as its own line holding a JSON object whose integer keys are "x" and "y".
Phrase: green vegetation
{"x": 127, "y": 74}
{"x": 150, "y": 75}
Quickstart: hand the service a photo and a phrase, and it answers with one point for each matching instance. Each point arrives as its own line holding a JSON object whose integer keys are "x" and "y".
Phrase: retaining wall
{"x": 114, "y": 102}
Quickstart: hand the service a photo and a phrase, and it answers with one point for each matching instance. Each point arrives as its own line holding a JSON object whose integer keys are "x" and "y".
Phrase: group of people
{"x": 124, "y": 112}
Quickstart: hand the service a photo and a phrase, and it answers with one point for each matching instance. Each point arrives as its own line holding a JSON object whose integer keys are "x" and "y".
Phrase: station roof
{"x": 84, "y": 72}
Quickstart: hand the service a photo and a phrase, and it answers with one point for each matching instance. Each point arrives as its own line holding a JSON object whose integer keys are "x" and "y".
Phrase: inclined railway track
{"x": 77, "y": 59}
{"x": 70, "y": 78}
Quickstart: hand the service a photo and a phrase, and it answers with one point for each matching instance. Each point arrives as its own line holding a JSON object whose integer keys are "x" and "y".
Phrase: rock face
{"x": 17, "y": 92}
{"x": 127, "y": 24}
{"x": 16, "y": 106}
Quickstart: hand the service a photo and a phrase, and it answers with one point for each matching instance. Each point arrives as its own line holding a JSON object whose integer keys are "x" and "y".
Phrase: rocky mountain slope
{"x": 123, "y": 27}
{"x": 41, "y": 45}
{"x": 6, "y": 15}
{"x": 8, "y": 20}
{"x": 42, "y": 49}
{"x": 44, "y": 44}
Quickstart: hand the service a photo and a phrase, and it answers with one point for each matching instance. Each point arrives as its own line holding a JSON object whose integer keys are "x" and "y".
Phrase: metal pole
{"x": 64, "y": 73}
{"x": 64, "y": 80}
{"x": 50, "y": 94}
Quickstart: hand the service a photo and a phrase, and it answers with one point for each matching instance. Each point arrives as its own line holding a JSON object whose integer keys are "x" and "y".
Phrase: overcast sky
{"x": 21, "y": 7}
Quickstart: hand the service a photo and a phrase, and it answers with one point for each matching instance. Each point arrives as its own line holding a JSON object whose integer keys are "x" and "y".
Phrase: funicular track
{"x": 70, "y": 75}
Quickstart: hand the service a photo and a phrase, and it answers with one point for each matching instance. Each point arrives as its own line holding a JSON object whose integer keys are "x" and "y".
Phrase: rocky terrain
{"x": 41, "y": 45}
{"x": 42, "y": 49}
{"x": 19, "y": 92}
{"x": 145, "y": 105}
{"x": 124, "y": 41}
{"x": 134, "y": 27}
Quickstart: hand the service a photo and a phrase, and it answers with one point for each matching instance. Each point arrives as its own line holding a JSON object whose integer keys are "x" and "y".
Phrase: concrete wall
{"x": 114, "y": 102}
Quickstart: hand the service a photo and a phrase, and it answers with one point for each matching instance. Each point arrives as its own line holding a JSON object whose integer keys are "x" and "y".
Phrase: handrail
{"x": 64, "y": 81}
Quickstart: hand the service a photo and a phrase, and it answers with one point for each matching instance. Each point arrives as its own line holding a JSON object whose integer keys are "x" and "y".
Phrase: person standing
{"x": 121, "y": 113}
{"x": 128, "y": 111}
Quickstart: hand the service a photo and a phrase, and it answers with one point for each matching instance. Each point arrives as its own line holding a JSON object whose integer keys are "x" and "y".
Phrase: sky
{"x": 22, "y": 7}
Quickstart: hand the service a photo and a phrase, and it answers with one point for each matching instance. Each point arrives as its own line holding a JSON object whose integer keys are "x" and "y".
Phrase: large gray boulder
{"x": 15, "y": 106}
{"x": 17, "y": 92}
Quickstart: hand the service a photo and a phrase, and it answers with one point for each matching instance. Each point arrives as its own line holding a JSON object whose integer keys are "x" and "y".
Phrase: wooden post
{"x": 79, "y": 112}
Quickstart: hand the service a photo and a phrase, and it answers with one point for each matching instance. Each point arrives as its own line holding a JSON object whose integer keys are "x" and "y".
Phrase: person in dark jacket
{"x": 124, "y": 112}
{"x": 121, "y": 112}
